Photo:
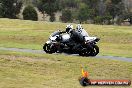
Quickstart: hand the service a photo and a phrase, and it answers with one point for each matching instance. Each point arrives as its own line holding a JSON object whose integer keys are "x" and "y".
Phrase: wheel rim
{"x": 83, "y": 52}
{"x": 47, "y": 48}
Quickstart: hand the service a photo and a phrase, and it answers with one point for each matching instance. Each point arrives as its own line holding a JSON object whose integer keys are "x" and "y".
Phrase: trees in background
{"x": 104, "y": 11}
{"x": 94, "y": 11}
{"x": 10, "y": 8}
{"x": 48, "y": 7}
{"x": 30, "y": 13}
{"x": 66, "y": 16}
{"x": 115, "y": 8}
{"x": 84, "y": 14}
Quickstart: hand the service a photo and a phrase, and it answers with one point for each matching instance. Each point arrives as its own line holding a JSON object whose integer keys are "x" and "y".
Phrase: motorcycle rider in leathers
{"x": 75, "y": 38}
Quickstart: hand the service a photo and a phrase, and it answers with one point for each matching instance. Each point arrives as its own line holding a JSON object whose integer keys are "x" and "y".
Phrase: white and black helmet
{"x": 69, "y": 28}
{"x": 79, "y": 28}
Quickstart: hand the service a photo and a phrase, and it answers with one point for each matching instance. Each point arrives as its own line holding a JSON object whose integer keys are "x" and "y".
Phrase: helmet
{"x": 79, "y": 26}
{"x": 69, "y": 28}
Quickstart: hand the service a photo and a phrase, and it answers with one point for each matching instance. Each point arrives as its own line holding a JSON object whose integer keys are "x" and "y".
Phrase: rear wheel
{"x": 83, "y": 52}
{"x": 95, "y": 50}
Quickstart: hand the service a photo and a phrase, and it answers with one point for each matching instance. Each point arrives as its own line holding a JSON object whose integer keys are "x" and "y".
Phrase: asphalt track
{"x": 42, "y": 52}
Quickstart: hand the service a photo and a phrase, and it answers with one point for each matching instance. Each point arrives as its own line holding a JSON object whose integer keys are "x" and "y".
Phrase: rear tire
{"x": 83, "y": 52}
{"x": 95, "y": 50}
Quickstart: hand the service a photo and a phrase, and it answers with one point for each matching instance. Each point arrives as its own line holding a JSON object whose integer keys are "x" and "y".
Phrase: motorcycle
{"x": 59, "y": 43}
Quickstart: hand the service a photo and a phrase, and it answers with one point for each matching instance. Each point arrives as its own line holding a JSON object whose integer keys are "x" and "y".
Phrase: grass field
{"x": 26, "y": 70}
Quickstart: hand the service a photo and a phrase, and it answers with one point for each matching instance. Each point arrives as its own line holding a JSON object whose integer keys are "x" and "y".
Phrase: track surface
{"x": 42, "y": 52}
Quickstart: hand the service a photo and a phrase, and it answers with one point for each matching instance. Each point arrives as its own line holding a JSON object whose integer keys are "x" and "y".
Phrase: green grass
{"x": 25, "y": 70}
{"x": 115, "y": 40}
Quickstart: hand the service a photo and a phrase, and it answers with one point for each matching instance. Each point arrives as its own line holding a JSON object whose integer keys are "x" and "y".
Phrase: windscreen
{"x": 55, "y": 33}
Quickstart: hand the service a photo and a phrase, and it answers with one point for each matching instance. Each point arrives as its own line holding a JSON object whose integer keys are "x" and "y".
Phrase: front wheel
{"x": 95, "y": 50}
{"x": 47, "y": 48}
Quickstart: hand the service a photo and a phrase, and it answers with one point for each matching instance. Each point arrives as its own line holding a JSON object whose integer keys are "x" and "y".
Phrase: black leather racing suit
{"x": 75, "y": 40}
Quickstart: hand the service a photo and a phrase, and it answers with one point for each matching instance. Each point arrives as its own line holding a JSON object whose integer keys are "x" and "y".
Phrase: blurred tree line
{"x": 84, "y": 11}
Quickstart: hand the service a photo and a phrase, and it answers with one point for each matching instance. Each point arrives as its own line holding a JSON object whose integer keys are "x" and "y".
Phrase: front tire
{"x": 47, "y": 48}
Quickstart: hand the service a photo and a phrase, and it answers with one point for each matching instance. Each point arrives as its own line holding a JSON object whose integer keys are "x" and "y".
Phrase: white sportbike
{"x": 58, "y": 42}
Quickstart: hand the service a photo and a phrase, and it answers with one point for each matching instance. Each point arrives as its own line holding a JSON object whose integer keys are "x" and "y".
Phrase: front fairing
{"x": 52, "y": 38}
{"x": 55, "y": 33}
{"x": 48, "y": 42}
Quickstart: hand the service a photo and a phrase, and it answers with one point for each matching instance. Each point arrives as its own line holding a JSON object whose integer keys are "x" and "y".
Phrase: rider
{"x": 75, "y": 37}
{"x": 81, "y": 31}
